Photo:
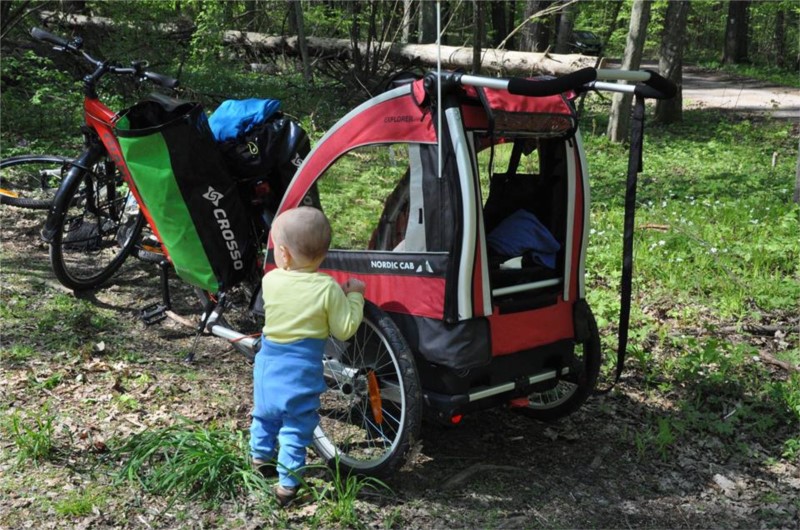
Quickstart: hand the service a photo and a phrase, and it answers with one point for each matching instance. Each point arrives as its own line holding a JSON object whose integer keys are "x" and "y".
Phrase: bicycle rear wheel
{"x": 31, "y": 181}
{"x": 99, "y": 230}
{"x": 371, "y": 414}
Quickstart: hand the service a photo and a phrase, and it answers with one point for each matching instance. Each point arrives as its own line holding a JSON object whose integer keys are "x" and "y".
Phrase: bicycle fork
{"x": 58, "y": 210}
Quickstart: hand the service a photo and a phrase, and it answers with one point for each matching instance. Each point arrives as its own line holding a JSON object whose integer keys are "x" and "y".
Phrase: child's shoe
{"x": 266, "y": 468}
{"x": 285, "y": 494}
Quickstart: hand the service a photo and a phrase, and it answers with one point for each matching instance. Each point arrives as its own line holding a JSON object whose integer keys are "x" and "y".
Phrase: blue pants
{"x": 287, "y": 383}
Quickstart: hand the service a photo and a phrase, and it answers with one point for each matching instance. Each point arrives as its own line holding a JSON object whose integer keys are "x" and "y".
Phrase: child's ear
{"x": 286, "y": 255}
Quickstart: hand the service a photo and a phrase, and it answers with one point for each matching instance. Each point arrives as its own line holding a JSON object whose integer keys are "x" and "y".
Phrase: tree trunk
{"x": 427, "y": 22}
{"x": 297, "y": 12}
{"x": 619, "y": 120}
{"x": 493, "y": 61}
{"x": 565, "y": 23}
{"x": 477, "y": 29}
{"x": 779, "y": 41}
{"x": 670, "y": 61}
{"x": 406, "y": 33}
{"x": 736, "y": 38}
{"x": 535, "y": 36}
{"x": 499, "y": 26}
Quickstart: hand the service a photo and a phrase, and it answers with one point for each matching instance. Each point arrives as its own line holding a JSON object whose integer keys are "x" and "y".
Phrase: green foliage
{"x": 791, "y": 449}
{"x": 48, "y": 383}
{"x": 52, "y": 323}
{"x": 190, "y": 461}
{"x": 37, "y": 100}
{"x": 725, "y": 397}
{"x": 712, "y": 167}
{"x": 79, "y": 503}
{"x": 705, "y": 31}
{"x": 209, "y": 25}
{"x": 660, "y": 439}
{"x": 338, "y": 501}
{"x": 33, "y": 436}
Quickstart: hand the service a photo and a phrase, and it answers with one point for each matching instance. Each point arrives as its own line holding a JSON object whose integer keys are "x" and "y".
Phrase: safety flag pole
{"x": 439, "y": 82}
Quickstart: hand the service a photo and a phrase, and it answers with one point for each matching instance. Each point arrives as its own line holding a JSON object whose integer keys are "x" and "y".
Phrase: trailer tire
{"x": 372, "y": 371}
{"x": 567, "y": 396}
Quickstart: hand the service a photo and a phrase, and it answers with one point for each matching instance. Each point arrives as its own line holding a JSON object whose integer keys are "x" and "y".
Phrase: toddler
{"x": 302, "y": 307}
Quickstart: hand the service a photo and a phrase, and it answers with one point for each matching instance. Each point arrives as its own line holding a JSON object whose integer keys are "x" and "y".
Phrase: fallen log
{"x": 770, "y": 359}
{"x": 503, "y": 62}
{"x": 493, "y": 61}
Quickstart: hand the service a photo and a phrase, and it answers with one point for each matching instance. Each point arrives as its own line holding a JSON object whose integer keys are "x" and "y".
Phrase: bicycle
{"x": 94, "y": 222}
{"x": 31, "y": 181}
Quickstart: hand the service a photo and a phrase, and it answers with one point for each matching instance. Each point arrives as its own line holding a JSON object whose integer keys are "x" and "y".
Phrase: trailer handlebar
{"x": 657, "y": 87}
{"x": 549, "y": 87}
{"x": 648, "y": 83}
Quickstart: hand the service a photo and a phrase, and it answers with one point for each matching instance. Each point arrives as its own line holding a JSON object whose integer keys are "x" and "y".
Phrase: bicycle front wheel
{"x": 31, "y": 181}
{"x": 371, "y": 414}
{"x": 99, "y": 230}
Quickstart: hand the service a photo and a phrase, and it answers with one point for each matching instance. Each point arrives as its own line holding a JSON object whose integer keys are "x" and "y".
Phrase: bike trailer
{"x": 488, "y": 291}
{"x": 485, "y": 282}
{"x": 189, "y": 196}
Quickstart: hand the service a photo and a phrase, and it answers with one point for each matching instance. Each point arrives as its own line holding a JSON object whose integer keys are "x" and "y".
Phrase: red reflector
{"x": 455, "y": 419}
{"x": 519, "y": 402}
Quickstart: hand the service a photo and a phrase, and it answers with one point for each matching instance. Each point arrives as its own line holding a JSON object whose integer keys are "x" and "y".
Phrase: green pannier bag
{"x": 190, "y": 199}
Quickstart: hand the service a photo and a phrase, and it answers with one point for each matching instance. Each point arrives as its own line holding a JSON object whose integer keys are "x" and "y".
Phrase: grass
{"x": 717, "y": 228}
{"x": 772, "y": 74}
{"x": 79, "y": 503}
{"x": 338, "y": 500}
{"x": 55, "y": 322}
{"x": 33, "y": 436}
{"x": 190, "y": 461}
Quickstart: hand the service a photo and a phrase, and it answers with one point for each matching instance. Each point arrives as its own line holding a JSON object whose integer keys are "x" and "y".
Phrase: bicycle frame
{"x": 100, "y": 139}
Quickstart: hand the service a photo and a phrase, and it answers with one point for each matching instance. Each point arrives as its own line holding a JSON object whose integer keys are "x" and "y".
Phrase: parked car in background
{"x": 586, "y": 43}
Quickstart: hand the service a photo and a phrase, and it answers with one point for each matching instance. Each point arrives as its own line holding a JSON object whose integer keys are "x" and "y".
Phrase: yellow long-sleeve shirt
{"x": 308, "y": 305}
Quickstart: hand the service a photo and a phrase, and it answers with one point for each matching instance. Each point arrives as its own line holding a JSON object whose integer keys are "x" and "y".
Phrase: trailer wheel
{"x": 567, "y": 396}
{"x": 371, "y": 413}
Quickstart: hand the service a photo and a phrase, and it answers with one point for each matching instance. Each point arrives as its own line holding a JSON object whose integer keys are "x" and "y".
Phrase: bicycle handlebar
{"x": 102, "y": 67}
{"x": 45, "y": 36}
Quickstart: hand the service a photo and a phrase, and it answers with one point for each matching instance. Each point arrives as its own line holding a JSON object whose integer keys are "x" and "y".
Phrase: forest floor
{"x": 495, "y": 470}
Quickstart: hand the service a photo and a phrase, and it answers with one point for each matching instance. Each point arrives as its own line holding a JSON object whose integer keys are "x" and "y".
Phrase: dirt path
{"x": 703, "y": 89}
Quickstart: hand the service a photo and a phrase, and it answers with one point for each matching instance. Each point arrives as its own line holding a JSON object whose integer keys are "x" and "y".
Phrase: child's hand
{"x": 353, "y": 285}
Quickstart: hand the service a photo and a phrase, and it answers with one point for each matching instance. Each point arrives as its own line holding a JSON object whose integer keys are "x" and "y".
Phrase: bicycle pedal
{"x": 153, "y": 314}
